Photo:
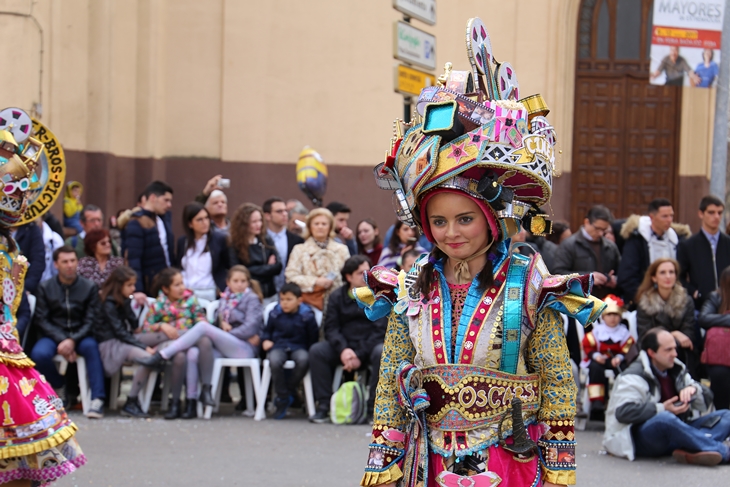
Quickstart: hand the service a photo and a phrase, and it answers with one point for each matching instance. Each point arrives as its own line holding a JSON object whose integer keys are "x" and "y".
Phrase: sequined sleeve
{"x": 384, "y": 463}
{"x": 548, "y": 357}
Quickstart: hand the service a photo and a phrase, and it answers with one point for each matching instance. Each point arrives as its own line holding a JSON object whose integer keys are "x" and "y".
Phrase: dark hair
{"x": 394, "y": 242}
{"x": 599, "y": 212}
{"x": 66, "y": 249}
{"x": 411, "y": 253}
{"x": 9, "y": 240}
{"x": 115, "y": 282}
{"x": 336, "y": 207}
{"x": 238, "y": 234}
{"x": 376, "y": 240}
{"x": 352, "y": 264}
{"x": 292, "y": 288}
{"x": 157, "y": 188}
{"x": 92, "y": 239}
{"x": 164, "y": 279}
{"x": 425, "y": 279}
{"x": 190, "y": 211}
{"x": 89, "y": 207}
{"x": 559, "y": 227}
{"x": 270, "y": 202}
{"x": 658, "y": 203}
{"x": 724, "y": 291}
{"x": 710, "y": 200}
{"x": 650, "y": 340}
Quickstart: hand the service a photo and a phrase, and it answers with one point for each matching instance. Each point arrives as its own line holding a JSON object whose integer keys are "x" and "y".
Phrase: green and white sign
{"x": 414, "y": 46}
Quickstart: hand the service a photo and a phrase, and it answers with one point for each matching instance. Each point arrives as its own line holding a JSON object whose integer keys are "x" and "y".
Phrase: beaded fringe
{"x": 53, "y": 441}
{"x": 378, "y": 478}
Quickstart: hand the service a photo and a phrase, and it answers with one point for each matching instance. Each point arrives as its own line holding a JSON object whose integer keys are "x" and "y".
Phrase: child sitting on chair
{"x": 289, "y": 332}
{"x": 609, "y": 346}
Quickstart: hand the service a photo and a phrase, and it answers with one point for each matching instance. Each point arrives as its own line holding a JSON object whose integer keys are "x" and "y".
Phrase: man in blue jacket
{"x": 147, "y": 239}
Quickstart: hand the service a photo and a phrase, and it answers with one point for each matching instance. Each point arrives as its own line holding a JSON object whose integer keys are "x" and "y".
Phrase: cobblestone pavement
{"x": 230, "y": 450}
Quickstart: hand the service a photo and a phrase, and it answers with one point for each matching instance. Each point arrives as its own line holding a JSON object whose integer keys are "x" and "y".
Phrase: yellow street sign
{"x": 409, "y": 81}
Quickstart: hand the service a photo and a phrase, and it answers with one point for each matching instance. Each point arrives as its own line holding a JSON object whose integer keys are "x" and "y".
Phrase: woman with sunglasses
{"x": 99, "y": 262}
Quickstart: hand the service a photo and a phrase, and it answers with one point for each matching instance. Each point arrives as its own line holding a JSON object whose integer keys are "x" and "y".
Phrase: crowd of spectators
{"x": 285, "y": 262}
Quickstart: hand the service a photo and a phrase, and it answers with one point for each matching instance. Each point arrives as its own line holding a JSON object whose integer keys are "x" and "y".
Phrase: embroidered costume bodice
{"x": 475, "y": 357}
{"x": 13, "y": 268}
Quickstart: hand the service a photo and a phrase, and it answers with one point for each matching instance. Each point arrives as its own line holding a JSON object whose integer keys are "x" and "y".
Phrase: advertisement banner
{"x": 685, "y": 42}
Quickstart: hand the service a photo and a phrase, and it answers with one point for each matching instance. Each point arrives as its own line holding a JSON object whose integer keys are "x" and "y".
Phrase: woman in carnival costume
{"x": 37, "y": 445}
{"x": 476, "y": 387}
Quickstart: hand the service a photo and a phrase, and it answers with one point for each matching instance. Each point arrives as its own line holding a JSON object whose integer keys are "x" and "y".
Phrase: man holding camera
{"x": 654, "y": 409}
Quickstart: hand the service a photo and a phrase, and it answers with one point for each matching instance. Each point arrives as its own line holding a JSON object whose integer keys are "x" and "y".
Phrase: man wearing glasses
{"x": 589, "y": 251}
{"x": 92, "y": 218}
{"x": 277, "y": 217}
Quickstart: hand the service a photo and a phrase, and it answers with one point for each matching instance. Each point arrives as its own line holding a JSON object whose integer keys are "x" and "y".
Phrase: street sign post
{"x": 423, "y": 10}
{"x": 410, "y": 82}
{"x": 414, "y": 46}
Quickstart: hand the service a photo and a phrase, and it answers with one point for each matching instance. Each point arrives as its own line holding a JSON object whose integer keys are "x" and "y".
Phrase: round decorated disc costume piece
{"x": 37, "y": 441}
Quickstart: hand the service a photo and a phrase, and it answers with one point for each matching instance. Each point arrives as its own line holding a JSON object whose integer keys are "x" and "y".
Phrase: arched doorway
{"x": 626, "y": 131}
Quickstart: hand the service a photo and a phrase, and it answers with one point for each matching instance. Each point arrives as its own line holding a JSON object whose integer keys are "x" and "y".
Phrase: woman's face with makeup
{"x": 457, "y": 224}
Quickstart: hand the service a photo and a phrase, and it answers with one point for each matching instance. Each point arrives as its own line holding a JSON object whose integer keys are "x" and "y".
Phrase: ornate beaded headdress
{"x": 472, "y": 132}
{"x": 30, "y": 178}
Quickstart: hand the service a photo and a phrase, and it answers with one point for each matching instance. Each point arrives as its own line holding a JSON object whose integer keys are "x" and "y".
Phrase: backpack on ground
{"x": 347, "y": 405}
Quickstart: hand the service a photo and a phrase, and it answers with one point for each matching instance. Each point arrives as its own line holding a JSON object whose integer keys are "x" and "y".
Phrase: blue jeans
{"x": 44, "y": 351}
{"x": 665, "y": 432}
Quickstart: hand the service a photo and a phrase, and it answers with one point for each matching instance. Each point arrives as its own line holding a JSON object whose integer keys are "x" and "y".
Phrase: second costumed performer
{"x": 37, "y": 445}
{"x": 476, "y": 387}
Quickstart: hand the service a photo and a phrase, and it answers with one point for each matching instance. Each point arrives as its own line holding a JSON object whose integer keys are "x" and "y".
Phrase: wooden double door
{"x": 625, "y": 145}
{"x": 625, "y": 130}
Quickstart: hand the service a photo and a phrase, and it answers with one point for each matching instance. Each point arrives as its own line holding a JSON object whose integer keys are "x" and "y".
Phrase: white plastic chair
{"x": 252, "y": 385}
{"x": 62, "y": 364}
{"x": 211, "y": 309}
{"x": 290, "y": 364}
{"x": 251, "y": 377}
{"x": 31, "y": 302}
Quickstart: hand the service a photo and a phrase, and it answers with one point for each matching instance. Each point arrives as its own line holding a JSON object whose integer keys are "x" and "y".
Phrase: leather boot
{"x": 191, "y": 409}
{"x": 133, "y": 409}
{"x": 206, "y": 396}
{"x": 174, "y": 411}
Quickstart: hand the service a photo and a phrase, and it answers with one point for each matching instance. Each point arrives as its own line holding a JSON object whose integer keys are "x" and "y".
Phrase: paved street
{"x": 237, "y": 451}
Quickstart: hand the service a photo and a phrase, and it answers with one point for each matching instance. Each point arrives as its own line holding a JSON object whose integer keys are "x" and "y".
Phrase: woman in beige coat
{"x": 315, "y": 264}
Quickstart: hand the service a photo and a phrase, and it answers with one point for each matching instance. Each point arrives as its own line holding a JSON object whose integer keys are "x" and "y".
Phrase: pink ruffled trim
{"x": 45, "y": 475}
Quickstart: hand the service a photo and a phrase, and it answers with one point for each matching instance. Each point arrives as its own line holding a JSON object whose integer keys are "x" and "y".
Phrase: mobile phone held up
{"x": 224, "y": 183}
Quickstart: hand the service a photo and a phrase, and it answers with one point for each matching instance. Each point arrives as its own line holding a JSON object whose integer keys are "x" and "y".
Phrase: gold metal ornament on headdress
{"x": 478, "y": 132}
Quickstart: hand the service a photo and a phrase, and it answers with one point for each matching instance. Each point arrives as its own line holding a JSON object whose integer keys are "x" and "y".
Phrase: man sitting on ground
{"x": 652, "y": 406}
{"x": 65, "y": 313}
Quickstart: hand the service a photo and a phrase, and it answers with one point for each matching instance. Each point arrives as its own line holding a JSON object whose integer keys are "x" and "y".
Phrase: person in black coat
{"x": 66, "y": 312}
{"x": 704, "y": 255}
{"x": 351, "y": 340}
{"x": 114, "y": 332}
{"x": 647, "y": 239}
{"x": 588, "y": 251}
{"x": 204, "y": 274}
{"x": 277, "y": 218}
{"x": 147, "y": 239}
{"x": 29, "y": 238}
{"x": 715, "y": 314}
{"x": 251, "y": 247}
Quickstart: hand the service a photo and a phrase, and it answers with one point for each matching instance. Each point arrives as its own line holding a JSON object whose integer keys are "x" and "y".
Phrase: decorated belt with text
{"x": 466, "y": 397}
